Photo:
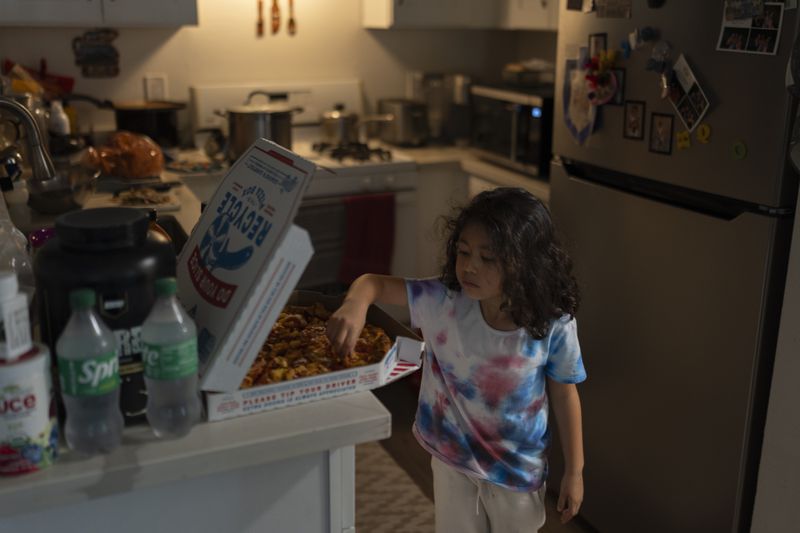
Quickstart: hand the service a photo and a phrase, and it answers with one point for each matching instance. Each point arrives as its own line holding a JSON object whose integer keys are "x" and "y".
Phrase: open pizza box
{"x": 402, "y": 359}
{"x": 238, "y": 270}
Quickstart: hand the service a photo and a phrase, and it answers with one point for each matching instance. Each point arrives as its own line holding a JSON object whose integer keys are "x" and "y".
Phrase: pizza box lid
{"x": 244, "y": 258}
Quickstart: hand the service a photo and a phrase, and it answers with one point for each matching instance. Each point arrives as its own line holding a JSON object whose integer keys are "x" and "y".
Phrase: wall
{"x": 330, "y": 43}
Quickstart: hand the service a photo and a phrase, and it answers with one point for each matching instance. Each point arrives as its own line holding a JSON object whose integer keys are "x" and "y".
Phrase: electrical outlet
{"x": 155, "y": 87}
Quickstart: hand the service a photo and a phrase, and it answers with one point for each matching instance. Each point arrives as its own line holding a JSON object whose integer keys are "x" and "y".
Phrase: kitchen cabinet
{"x": 116, "y": 13}
{"x": 442, "y": 188}
{"x": 483, "y": 176}
{"x": 385, "y": 14}
{"x": 529, "y": 15}
{"x": 290, "y": 469}
{"x": 501, "y": 14}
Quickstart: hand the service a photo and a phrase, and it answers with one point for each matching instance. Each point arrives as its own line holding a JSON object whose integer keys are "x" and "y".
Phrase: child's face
{"x": 477, "y": 268}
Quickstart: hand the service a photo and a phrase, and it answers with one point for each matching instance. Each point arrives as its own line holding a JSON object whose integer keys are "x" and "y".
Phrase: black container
{"x": 111, "y": 251}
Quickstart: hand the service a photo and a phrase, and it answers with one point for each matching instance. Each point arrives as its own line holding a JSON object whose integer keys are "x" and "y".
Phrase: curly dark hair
{"x": 537, "y": 273}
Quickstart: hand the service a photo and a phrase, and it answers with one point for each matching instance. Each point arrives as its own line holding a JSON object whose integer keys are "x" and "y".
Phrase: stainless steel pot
{"x": 249, "y": 122}
{"x": 410, "y": 124}
{"x": 340, "y": 127}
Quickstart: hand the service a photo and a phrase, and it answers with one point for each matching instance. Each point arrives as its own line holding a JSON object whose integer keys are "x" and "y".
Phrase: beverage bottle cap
{"x": 82, "y": 299}
{"x": 166, "y": 286}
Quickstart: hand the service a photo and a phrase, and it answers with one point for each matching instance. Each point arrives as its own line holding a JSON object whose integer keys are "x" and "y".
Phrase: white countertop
{"x": 145, "y": 461}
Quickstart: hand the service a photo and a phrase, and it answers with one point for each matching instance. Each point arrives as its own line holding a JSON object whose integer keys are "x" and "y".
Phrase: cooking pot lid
{"x": 338, "y": 113}
{"x": 271, "y": 108}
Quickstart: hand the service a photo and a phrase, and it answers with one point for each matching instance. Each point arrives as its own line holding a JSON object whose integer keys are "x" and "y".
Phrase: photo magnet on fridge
{"x": 633, "y": 127}
{"x": 597, "y": 42}
{"x": 756, "y": 35}
{"x": 686, "y": 95}
{"x": 661, "y": 133}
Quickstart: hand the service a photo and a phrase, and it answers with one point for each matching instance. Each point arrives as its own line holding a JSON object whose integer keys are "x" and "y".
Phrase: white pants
{"x": 468, "y": 505}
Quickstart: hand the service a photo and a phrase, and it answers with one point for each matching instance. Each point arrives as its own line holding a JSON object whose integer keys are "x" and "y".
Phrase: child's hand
{"x": 345, "y": 325}
{"x": 571, "y": 496}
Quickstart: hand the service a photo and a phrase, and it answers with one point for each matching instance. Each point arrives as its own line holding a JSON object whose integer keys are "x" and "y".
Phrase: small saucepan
{"x": 157, "y": 120}
{"x": 340, "y": 127}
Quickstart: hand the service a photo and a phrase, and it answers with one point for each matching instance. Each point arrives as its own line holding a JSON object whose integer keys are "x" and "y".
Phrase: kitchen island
{"x": 291, "y": 469}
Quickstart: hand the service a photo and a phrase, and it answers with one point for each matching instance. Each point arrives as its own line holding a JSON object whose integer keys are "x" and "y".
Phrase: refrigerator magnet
{"x": 703, "y": 134}
{"x": 634, "y": 120}
{"x": 687, "y": 97}
{"x": 758, "y": 34}
{"x": 661, "y": 133}
{"x": 597, "y": 42}
{"x": 683, "y": 140}
{"x": 739, "y": 150}
{"x": 619, "y": 95}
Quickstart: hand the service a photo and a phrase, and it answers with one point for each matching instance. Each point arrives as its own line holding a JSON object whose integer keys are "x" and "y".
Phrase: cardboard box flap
{"x": 243, "y": 259}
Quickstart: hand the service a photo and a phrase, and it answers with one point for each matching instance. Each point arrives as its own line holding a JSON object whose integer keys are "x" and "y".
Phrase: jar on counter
{"x": 113, "y": 251}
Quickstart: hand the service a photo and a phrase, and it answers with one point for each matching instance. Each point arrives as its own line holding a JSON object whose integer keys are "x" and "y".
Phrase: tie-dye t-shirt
{"x": 482, "y": 404}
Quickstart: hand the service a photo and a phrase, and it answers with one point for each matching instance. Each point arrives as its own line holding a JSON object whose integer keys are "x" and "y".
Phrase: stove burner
{"x": 357, "y": 151}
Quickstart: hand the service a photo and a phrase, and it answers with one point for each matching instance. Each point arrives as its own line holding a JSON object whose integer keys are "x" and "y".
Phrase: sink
{"x": 174, "y": 230}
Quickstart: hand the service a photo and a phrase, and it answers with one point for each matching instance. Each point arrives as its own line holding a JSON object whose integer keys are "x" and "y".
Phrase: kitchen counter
{"x": 293, "y": 450}
{"x": 430, "y": 157}
{"x": 28, "y": 220}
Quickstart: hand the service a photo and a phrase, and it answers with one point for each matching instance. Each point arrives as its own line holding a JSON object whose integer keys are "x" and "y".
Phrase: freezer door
{"x": 670, "y": 327}
{"x": 749, "y": 103}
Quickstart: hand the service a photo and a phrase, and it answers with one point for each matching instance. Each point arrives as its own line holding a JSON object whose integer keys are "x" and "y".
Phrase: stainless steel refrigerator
{"x": 681, "y": 260}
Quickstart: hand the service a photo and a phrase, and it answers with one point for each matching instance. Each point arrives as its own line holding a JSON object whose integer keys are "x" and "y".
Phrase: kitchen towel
{"x": 369, "y": 241}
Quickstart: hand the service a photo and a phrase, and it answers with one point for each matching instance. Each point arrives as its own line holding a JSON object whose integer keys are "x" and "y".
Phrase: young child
{"x": 499, "y": 325}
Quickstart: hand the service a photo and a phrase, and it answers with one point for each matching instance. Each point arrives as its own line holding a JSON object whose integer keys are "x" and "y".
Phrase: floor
{"x": 400, "y": 399}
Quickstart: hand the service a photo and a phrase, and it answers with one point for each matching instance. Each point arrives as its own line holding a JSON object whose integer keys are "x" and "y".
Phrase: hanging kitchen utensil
{"x": 260, "y": 20}
{"x": 276, "y": 17}
{"x": 292, "y": 26}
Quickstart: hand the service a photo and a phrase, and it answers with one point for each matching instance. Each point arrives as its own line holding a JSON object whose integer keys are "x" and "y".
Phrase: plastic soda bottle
{"x": 88, "y": 367}
{"x": 169, "y": 340}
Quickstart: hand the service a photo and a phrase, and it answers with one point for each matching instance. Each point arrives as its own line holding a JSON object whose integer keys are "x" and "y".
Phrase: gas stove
{"x": 354, "y": 150}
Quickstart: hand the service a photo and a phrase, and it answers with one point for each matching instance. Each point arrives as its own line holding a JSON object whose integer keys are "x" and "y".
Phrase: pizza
{"x": 298, "y": 347}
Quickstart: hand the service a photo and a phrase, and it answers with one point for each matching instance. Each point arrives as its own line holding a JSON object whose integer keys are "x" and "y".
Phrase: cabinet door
{"x": 530, "y": 15}
{"x": 430, "y": 14}
{"x": 442, "y": 188}
{"x": 50, "y": 12}
{"x": 149, "y": 13}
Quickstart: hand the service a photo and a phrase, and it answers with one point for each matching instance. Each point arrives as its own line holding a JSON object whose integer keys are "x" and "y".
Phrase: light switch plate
{"x": 155, "y": 87}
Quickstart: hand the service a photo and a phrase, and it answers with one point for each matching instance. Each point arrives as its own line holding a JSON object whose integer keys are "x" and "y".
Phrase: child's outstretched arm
{"x": 567, "y": 410}
{"x": 346, "y": 323}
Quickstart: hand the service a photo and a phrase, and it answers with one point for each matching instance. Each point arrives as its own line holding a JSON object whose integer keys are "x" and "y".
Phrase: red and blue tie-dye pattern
{"x": 482, "y": 405}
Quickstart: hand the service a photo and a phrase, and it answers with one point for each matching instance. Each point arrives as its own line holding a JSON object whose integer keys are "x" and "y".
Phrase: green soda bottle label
{"x": 89, "y": 377}
{"x": 170, "y": 361}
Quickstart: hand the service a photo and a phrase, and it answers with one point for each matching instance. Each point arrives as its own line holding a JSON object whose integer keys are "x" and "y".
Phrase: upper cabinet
{"x": 529, "y": 14}
{"x": 487, "y": 14}
{"x": 428, "y": 13}
{"x": 85, "y": 13}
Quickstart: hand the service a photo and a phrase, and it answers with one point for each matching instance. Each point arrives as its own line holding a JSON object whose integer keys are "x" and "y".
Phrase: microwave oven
{"x": 513, "y": 127}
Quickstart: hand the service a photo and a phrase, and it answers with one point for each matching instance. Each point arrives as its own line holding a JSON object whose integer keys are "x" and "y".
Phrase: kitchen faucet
{"x": 49, "y": 191}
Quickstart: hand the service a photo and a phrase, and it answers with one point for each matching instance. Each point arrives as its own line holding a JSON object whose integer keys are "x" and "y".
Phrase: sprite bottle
{"x": 88, "y": 367}
{"x": 169, "y": 339}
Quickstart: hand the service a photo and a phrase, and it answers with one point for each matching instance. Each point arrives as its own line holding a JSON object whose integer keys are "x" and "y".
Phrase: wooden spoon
{"x": 260, "y": 21}
{"x": 292, "y": 27}
{"x": 276, "y": 17}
